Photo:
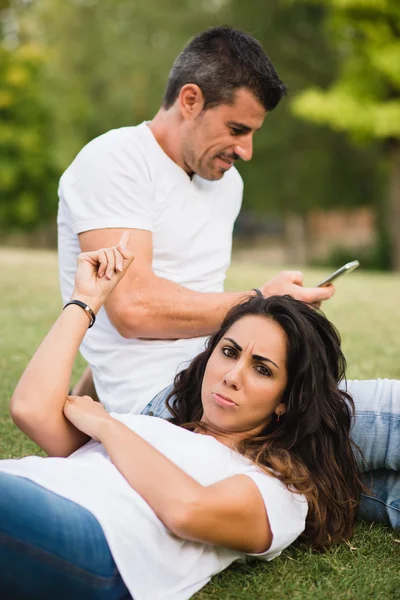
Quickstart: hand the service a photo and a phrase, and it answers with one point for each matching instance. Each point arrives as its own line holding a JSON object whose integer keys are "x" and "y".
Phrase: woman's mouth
{"x": 223, "y": 400}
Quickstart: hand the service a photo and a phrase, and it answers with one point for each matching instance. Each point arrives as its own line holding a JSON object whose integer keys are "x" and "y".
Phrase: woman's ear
{"x": 280, "y": 409}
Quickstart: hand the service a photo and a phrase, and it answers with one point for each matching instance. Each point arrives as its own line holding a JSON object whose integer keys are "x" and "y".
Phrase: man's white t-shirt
{"x": 124, "y": 179}
{"x": 155, "y": 564}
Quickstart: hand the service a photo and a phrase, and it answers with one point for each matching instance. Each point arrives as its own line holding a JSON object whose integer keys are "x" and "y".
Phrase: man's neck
{"x": 166, "y": 129}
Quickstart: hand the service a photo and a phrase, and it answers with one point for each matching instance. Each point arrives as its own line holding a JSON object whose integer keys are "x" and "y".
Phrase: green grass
{"x": 365, "y": 310}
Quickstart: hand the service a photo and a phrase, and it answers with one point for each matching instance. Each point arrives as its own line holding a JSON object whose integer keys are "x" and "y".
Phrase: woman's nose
{"x": 233, "y": 378}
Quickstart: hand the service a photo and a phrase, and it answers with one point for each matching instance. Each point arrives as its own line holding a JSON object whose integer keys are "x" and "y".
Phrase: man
{"x": 173, "y": 184}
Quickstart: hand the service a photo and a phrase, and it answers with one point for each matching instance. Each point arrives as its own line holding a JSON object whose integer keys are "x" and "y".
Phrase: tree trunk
{"x": 295, "y": 239}
{"x": 394, "y": 204}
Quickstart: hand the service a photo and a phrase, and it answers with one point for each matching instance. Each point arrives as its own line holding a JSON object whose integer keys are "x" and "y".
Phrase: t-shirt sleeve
{"x": 108, "y": 185}
{"x": 286, "y": 512}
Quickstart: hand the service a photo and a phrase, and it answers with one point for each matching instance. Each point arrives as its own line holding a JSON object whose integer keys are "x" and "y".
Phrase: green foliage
{"x": 365, "y": 97}
{"x": 27, "y": 170}
{"x": 297, "y": 165}
{"x": 109, "y": 60}
{"x": 104, "y": 64}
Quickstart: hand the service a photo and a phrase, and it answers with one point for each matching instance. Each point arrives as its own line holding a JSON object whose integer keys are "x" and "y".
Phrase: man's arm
{"x": 147, "y": 306}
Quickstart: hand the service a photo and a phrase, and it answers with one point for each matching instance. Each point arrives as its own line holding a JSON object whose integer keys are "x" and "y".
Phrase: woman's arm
{"x": 230, "y": 513}
{"x": 37, "y": 403}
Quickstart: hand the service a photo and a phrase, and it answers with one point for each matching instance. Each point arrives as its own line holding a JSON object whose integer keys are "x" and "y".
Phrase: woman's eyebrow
{"x": 255, "y": 356}
{"x": 263, "y": 358}
{"x": 235, "y": 344}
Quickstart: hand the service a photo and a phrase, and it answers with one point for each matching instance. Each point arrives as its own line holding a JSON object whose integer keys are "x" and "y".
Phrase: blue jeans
{"x": 375, "y": 430}
{"x": 51, "y": 548}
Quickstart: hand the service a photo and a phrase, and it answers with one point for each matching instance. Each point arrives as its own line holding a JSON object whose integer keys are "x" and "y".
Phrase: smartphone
{"x": 347, "y": 268}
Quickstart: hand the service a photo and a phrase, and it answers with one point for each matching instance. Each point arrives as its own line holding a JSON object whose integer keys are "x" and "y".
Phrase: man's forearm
{"x": 162, "y": 309}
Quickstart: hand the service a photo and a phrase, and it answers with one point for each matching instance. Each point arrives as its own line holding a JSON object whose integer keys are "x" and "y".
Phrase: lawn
{"x": 366, "y": 311}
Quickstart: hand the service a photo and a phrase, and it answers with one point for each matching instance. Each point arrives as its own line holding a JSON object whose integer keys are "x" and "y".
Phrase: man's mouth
{"x": 227, "y": 162}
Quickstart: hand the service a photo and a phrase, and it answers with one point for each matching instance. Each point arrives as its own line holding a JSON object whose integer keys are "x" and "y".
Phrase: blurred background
{"x": 324, "y": 183}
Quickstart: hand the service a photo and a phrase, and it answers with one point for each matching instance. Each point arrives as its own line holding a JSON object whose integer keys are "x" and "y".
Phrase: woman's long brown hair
{"x": 310, "y": 450}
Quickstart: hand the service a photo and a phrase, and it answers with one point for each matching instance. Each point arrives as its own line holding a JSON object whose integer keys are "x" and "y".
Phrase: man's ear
{"x": 190, "y": 101}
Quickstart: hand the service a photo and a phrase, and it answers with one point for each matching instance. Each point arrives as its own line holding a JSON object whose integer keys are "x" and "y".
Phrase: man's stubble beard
{"x": 194, "y": 166}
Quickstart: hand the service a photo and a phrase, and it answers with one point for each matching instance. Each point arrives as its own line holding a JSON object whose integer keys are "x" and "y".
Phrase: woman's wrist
{"x": 106, "y": 427}
{"x": 95, "y": 303}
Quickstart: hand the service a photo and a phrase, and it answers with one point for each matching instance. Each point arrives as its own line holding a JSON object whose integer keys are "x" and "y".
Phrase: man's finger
{"x": 293, "y": 276}
{"x": 317, "y": 294}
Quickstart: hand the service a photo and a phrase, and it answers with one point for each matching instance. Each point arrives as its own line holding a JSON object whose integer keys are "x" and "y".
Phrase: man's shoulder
{"x": 122, "y": 150}
{"x": 116, "y": 140}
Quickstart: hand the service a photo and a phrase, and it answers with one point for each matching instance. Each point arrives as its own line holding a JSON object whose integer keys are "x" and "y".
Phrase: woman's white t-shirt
{"x": 154, "y": 563}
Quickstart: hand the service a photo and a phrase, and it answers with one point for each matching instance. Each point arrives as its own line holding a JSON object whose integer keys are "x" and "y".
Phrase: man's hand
{"x": 291, "y": 282}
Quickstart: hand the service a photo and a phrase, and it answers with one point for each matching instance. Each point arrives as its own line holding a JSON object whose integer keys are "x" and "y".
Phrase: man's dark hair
{"x": 220, "y": 61}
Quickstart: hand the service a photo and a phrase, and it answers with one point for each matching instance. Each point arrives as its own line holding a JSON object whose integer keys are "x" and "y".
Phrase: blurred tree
{"x": 27, "y": 170}
{"x": 364, "y": 98}
{"x": 298, "y": 166}
{"x": 105, "y": 64}
{"x": 109, "y": 59}
{"x": 70, "y": 71}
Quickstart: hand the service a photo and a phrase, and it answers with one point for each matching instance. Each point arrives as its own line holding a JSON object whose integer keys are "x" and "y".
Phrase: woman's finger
{"x": 122, "y": 247}
{"x": 119, "y": 260}
{"x": 103, "y": 262}
{"x": 109, "y": 252}
{"x": 124, "y": 241}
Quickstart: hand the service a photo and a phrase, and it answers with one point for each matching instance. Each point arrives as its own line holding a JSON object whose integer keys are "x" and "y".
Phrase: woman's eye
{"x": 262, "y": 370}
{"x": 229, "y": 352}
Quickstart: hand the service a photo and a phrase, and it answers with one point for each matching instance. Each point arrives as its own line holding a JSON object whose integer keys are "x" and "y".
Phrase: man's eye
{"x": 236, "y": 131}
{"x": 229, "y": 352}
{"x": 263, "y": 370}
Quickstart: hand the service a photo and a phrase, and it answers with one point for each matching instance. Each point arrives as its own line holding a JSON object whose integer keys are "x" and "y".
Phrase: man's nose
{"x": 244, "y": 148}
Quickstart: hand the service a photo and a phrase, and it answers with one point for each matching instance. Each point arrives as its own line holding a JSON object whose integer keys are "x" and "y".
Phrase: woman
{"x": 257, "y": 453}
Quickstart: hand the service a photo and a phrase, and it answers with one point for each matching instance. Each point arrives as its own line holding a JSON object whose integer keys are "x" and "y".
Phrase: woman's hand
{"x": 99, "y": 272}
{"x": 87, "y": 415}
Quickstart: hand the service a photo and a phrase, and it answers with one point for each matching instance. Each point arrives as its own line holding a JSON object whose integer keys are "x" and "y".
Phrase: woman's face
{"x": 245, "y": 377}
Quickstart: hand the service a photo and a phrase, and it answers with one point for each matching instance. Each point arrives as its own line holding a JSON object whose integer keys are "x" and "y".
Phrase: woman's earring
{"x": 278, "y": 418}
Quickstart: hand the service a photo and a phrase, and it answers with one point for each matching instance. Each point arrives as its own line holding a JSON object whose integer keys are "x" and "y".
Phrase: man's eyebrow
{"x": 254, "y": 356}
{"x": 242, "y": 126}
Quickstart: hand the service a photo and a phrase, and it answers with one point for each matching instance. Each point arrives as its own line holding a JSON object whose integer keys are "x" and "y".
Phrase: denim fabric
{"x": 156, "y": 407}
{"x": 51, "y": 548}
{"x": 375, "y": 430}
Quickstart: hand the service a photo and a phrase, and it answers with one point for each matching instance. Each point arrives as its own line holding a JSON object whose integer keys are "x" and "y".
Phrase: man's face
{"x": 219, "y": 136}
